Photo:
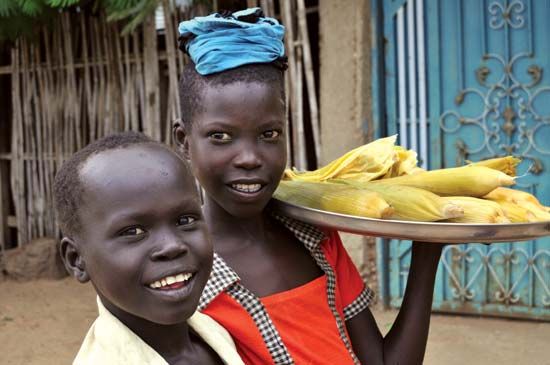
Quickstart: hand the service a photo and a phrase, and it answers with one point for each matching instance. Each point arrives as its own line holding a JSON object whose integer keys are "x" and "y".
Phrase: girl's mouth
{"x": 247, "y": 188}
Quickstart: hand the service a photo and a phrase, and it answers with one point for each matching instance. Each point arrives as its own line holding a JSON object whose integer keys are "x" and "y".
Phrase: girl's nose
{"x": 248, "y": 158}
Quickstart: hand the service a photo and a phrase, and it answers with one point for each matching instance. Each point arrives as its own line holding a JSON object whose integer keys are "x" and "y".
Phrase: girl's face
{"x": 236, "y": 145}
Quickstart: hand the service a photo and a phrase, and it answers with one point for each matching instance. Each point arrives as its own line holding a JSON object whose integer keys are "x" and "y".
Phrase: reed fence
{"x": 83, "y": 80}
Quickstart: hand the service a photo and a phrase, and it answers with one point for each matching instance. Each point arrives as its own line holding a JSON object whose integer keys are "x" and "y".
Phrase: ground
{"x": 44, "y": 322}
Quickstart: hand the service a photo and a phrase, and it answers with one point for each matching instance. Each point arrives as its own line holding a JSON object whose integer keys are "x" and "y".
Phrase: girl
{"x": 286, "y": 291}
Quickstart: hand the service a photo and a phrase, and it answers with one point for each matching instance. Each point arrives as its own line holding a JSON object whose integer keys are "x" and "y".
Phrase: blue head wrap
{"x": 217, "y": 43}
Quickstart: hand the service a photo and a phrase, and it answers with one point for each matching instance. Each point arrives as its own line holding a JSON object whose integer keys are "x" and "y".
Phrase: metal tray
{"x": 420, "y": 231}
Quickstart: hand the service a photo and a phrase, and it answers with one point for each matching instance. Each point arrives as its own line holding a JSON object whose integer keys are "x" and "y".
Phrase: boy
{"x": 132, "y": 221}
{"x": 286, "y": 291}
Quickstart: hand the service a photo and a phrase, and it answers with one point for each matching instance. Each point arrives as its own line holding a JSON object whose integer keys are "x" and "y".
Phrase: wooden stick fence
{"x": 83, "y": 81}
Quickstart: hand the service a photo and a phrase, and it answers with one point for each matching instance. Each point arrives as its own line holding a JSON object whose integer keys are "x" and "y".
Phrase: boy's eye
{"x": 186, "y": 220}
{"x": 220, "y": 136}
{"x": 272, "y": 134}
{"x": 132, "y": 231}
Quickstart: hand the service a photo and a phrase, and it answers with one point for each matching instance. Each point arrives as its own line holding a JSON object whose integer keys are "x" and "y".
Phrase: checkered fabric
{"x": 221, "y": 278}
{"x": 312, "y": 237}
{"x": 224, "y": 278}
{"x": 256, "y": 309}
{"x": 361, "y": 302}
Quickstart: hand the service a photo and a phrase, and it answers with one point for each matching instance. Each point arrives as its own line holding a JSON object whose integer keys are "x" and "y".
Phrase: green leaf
{"x": 8, "y": 8}
{"x": 31, "y": 7}
{"x": 62, "y": 3}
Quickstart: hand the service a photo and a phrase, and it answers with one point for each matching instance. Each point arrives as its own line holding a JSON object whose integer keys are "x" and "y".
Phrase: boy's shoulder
{"x": 109, "y": 341}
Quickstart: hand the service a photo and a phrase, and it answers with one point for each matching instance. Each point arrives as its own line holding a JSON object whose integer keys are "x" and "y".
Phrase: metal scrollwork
{"x": 508, "y": 119}
{"x": 487, "y": 264}
{"x": 510, "y": 15}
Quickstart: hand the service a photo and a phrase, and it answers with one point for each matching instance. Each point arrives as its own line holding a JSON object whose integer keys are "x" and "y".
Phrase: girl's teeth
{"x": 169, "y": 280}
{"x": 247, "y": 188}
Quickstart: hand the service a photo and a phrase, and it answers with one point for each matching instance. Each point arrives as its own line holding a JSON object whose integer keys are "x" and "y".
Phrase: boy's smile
{"x": 143, "y": 240}
{"x": 237, "y": 147}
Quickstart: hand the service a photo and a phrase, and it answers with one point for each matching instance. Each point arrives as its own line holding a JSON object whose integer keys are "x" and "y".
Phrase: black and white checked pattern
{"x": 256, "y": 309}
{"x": 221, "y": 278}
{"x": 224, "y": 278}
{"x": 361, "y": 302}
{"x": 312, "y": 237}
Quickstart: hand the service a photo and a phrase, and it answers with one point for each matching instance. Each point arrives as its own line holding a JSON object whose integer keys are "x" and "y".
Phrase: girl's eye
{"x": 186, "y": 220}
{"x": 220, "y": 136}
{"x": 132, "y": 231}
{"x": 272, "y": 134}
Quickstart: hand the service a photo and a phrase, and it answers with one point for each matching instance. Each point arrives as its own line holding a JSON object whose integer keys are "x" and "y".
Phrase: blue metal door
{"x": 470, "y": 80}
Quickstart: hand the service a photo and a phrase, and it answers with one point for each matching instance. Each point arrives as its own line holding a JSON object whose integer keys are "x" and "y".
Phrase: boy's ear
{"x": 72, "y": 258}
{"x": 180, "y": 137}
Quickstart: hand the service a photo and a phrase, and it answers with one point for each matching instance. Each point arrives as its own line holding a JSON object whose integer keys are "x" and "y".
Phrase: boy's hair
{"x": 68, "y": 187}
{"x": 192, "y": 84}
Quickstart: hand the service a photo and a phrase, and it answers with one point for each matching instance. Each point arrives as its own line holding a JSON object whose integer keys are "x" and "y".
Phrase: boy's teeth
{"x": 169, "y": 280}
{"x": 247, "y": 188}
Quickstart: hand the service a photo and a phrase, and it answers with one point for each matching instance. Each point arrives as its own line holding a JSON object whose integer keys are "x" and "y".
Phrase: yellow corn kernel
{"x": 478, "y": 210}
{"x": 516, "y": 213}
{"x": 364, "y": 163}
{"x": 335, "y": 198}
{"x": 411, "y": 203}
{"x": 505, "y": 164}
{"x": 473, "y": 181}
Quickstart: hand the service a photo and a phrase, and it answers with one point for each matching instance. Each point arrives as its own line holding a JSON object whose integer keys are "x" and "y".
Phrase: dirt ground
{"x": 43, "y": 322}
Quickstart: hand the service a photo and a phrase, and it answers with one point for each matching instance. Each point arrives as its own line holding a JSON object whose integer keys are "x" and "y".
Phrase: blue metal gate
{"x": 470, "y": 80}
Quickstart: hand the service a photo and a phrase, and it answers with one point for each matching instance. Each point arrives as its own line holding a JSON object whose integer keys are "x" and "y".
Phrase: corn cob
{"x": 539, "y": 213}
{"x": 513, "y": 195}
{"x": 335, "y": 198}
{"x": 473, "y": 181}
{"x": 364, "y": 163}
{"x": 505, "y": 164}
{"x": 477, "y": 210}
{"x": 411, "y": 203}
{"x": 516, "y": 213}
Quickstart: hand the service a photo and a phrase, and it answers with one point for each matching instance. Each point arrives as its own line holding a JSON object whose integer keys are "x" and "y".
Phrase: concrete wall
{"x": 345, "y": 94}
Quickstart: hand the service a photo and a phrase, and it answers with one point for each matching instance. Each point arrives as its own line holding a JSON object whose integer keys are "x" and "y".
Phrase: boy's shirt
{"x": 110, "y": 342}
{"x": 304, "y": 325}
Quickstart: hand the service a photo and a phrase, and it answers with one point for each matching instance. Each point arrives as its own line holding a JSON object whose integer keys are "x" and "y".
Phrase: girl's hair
{"x": 192, "y": 85}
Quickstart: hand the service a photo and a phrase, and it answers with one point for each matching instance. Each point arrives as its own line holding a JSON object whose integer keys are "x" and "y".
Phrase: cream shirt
{"x": 110, "y": 342}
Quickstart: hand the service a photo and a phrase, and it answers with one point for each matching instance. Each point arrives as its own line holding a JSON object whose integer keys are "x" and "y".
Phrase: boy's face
{"x": 237, "y": 146}
{"x": 142, "y": 228}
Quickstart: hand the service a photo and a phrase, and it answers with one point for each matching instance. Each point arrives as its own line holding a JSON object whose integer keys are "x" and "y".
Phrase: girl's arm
{"x": 405, "y": 343}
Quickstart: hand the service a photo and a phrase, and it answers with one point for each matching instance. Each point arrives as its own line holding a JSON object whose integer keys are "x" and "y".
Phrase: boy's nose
{"x": 170, "y": 248}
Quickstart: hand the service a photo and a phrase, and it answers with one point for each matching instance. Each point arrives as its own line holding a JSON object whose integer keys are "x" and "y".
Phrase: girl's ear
{"x": 181, "y": 138}
{"x": 72, "y": 258}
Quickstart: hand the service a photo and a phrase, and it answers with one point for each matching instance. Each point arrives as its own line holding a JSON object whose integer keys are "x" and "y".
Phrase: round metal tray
{"x": 418, "y": 231}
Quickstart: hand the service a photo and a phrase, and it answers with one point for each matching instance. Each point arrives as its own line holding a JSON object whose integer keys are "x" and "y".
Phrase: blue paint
{"x": 470, "y": 44}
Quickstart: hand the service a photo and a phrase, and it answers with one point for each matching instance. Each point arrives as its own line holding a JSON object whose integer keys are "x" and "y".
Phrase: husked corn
{"x": 335, "y": 198}
{"x": 478, "y": 210}
{"x": 473, "y": 181}
{"x": 411, "y": 203}
{"x": 516, "y": 213}
{"x": 364, "y": 163}
{"x": 505, "y": 164}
